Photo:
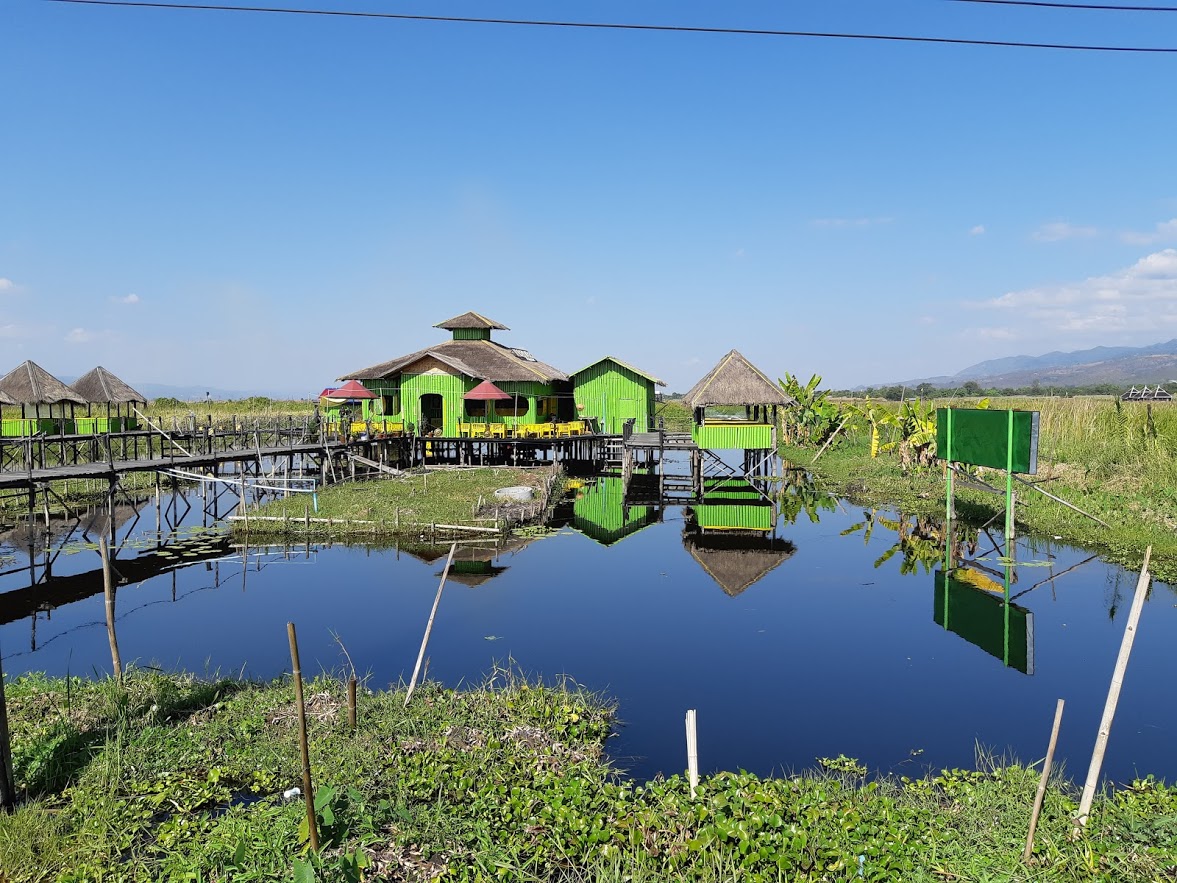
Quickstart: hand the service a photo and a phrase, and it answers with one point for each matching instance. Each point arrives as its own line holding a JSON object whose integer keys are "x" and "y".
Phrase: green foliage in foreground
{"x": 173, "y": 778}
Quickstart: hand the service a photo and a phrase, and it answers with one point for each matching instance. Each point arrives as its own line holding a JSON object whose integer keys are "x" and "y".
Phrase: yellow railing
{"x": 358, "y": 427}
{"x": 522, "y": 430}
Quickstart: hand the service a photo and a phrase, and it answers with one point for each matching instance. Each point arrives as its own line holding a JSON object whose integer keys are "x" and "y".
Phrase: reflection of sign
{"x": 981, "y": 437}
{"x": 986, "y": 619}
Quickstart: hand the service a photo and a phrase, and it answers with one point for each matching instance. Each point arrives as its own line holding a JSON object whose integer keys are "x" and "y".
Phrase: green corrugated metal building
{"x": 610, "y": 392}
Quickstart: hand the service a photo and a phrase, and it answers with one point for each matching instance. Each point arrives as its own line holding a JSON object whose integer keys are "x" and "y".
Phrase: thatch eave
{"x": 735, "y": 381}
{"x": 99, "y": 386}
{"x": 471, "y": 319}
{"x": 30, "y": 384}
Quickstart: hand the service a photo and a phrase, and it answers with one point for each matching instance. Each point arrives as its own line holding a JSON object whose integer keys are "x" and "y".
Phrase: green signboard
{"x": 987, "y": 620}
{"x": 983, "y": 437}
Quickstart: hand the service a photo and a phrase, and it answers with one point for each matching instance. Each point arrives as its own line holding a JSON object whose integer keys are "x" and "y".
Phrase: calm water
{"x": 828, "y": 651}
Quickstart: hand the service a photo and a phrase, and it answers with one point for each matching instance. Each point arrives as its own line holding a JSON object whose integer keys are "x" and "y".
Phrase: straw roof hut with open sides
{"x": 732, "y": 384}
{"x": 736, "y": 561}
{"x": 46, "y": 404}
{"x": 100, "y": 387}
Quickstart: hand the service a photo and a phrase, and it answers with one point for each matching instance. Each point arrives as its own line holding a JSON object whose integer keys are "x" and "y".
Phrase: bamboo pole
{"x": 692, "y": 752}
{"x": 7, "y": 780}
{"x": 351, "y": 702}
{"x": 429, "y": 625}
{"x": 1109, "y": 709}
{"x": 116, "y": 662}
{"x": 1042, "y": 782}
{"x": 308, "y": 792}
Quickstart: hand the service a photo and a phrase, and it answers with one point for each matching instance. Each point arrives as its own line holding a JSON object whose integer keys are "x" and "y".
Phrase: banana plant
{"x": 814, "y": 417}
{"x": 873, "y": 416}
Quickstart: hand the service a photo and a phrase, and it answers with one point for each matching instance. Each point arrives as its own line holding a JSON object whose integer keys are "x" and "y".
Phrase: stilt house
{"x": 46, "y": 404}
{"x": 735, "y": 384}
{"x": 433, "y": 390}
{"x": 115, "y": 399}
{"x": 609, "y": 392}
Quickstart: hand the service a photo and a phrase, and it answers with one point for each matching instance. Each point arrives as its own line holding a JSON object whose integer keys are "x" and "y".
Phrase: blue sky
{"x": 261, "y": 201}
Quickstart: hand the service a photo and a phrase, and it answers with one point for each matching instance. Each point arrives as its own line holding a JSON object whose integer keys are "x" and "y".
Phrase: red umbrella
{"x": 353, "y": 389}
{"x": 486, "y": 392}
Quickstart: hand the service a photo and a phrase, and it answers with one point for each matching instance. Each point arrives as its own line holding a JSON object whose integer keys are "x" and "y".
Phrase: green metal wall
{"x": 719, "y": 437}
{"x": 450, "y": 388}
{"x": 611, "y": 394}
{"x": 733, "y": 516}
{"x": 471, "y": 334}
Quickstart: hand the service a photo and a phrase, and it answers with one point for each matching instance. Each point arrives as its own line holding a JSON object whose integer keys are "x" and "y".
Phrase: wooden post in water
{"x": 692, "y": 752}
{"x": 351, "y": 702}
{"x": 307, "y": 791}
{"x": 1042, "y": 782}
{"x": 1109, "y": 709}
{"x": 429, "y": 625}
{"x": 116, "y": 662}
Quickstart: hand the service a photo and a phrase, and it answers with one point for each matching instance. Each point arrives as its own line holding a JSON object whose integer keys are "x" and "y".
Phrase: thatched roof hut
{"x": 30, "y": 384}
{"x": 100, "y": 387}
{"x": 735, "y": 381}
{"x": 736, "y": 561}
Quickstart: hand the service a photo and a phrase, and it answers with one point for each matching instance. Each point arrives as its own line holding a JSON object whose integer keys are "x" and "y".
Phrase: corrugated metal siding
{"x": 599, "y": 512}
{"x": 451, "y": 388}
{"x": 471, "y": 334}
{"x": 748, "y": 436}
{"x": 612, "y": 394}
{"x": 723, "y": 516}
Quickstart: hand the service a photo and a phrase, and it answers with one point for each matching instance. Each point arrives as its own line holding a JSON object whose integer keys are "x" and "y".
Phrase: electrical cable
{"x": 758, "y": 32}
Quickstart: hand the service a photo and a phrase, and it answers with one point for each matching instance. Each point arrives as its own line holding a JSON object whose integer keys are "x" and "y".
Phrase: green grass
{"x": 175, "y": 778}
{"x": 414, "y": 500}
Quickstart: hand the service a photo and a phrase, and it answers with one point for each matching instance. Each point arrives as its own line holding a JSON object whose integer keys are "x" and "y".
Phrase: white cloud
{"x": 11, "y": 331}
{"x": 1165, "y": 231}
{"x": 978, "y": 230}
{"x": 927, "y": 320}
{"x": 1139, "y": 298}
{"x": 847, "y": 223}
{"x": 6, "y": 284}
{"x": 79, "y": 335}
{"x": 129, "y": 299}
{"x": 1058, "y": 231}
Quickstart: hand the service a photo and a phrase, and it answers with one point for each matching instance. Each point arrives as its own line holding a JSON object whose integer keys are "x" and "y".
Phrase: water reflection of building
{"x": 600, "y": 512}
{"x": 475, "y": 563}
{"x": 732, "y": 535}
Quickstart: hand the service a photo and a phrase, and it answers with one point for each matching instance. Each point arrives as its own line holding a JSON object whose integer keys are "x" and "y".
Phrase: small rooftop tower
{"x": 471, "y": 326}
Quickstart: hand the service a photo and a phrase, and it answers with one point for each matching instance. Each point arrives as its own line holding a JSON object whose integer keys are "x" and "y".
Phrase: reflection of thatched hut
{"x": 473, "y": 565}
{"x": 735, "y": 383}
{"x": 100, "y": 387}
{"x": 734, "y": 560}
{"x": 46, "y": 404}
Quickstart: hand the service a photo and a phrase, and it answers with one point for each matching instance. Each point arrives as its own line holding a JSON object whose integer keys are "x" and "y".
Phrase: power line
{"x": 616, "y": 26}
{"x": 1051, "y": 5}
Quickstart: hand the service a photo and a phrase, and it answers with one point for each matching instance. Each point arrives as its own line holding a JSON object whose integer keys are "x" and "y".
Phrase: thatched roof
{"x": 736, "y": 561}
{"x": 471, "y": 320}
{"x": 6, "y": 399}
{"x": 30, "y": 384}
{"x": 625, "y": 365}
{"x": 479, "y": 359}
{"x": 735, "y": 381}
{"x": 99, "y": 386}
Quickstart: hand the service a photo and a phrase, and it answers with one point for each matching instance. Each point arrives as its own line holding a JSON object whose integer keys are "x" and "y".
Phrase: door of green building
{"x": 631, "y": 409}
{"x": 432, "y": 412}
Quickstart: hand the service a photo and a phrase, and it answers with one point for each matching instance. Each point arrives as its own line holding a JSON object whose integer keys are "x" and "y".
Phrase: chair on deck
{"x": 497, "y": 430}
{"x": 478, "y": 430}
{"x": 543, "y": 430}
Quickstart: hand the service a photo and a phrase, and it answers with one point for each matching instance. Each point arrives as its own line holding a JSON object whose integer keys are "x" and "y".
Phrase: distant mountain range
{"x": 1124, "y": 365}
{"x": 198, "y": 393}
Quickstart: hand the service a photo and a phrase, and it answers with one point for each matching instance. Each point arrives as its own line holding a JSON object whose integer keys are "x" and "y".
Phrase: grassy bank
{"x": 173, "y": 778}
{"x": 409, "y": 504}
{"x": 1115, "y": 461}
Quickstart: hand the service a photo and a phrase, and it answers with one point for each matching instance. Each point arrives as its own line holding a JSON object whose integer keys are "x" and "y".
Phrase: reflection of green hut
{"x": 46, "y": 404}
{"x": 425, "y": 389}
{"x": 733, "y": 504}
{"x": 599, "y": 511}
{"x": 736, "y": 561}
{"x": 100, "y": 387}
{"x": 473, "y": 565}
{"x": 611, "y": 392}
{"x": 732, "y": 386}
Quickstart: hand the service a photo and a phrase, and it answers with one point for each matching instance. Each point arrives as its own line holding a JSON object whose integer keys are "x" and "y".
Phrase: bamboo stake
{"x": 308, "y": 793}
{"x": 116, "y": 662}
{"x": 351, "y": 702}
{"x": 1109, "y": 709}
{"x": 429, "y": 625}
{"x": 7, "y": 780}
{"x": 692, "y": 752}
{"x": 1040, "y": 796}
